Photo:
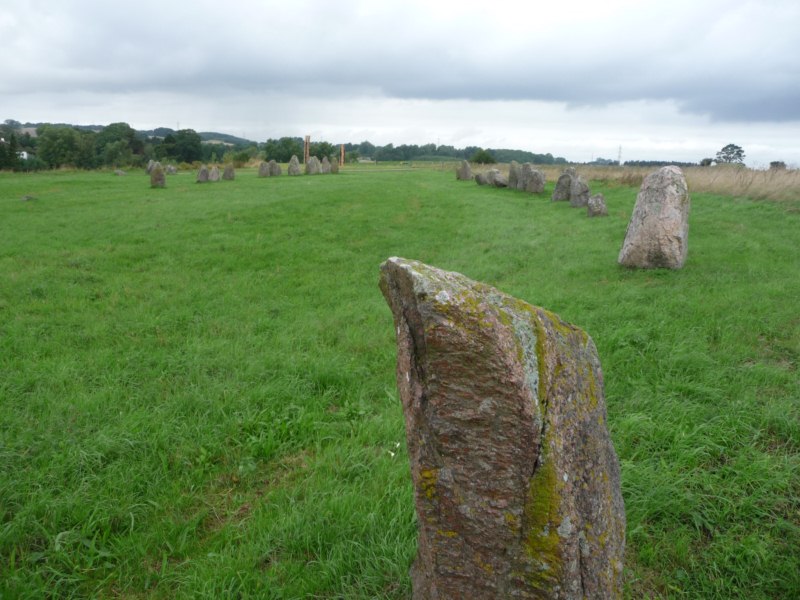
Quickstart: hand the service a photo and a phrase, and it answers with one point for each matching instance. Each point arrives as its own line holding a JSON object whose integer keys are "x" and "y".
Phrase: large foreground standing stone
{"x": 464, "y": 172}
{"x": 531, "y": 180}
{"x": 325, "y": 166}
{"x": 202, "y": 174}
{"x": 274, "y": 169}
{"x": 578, "y": 192}
{"x": 516, "y": 482}
{"x": 313, "y": 166}
{"x": 263, "y": 169}
{"x": 658, "y": 232}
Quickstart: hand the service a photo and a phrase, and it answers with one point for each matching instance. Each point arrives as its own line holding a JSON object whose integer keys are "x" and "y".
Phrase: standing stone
{"x": 158, "y": 178}
{"x": 294, "y": 166}
{"x": 658, "y": 232}
{"x": 263, "y": 169}
{"x": 213, "y": 174}
{"x": 313, "y": 167}
{"x": 596, "y": 207}
{"x": 119, "y": 172}
{"x": 531, "y": 180}
{"x": 578, "y": 192}
{"x": 325, "y": 167}
{"x": 464, "y": 172}
{"x": 228, "y": 174}
{"x": 202, "y": 174}
{"x": 172, "y": 170}
{"x": 274, "y": 169}
{"x": 335, "y": 167}
{"x": 514, "y": 175}
{"x": 516, "y": 482}
{"x": 562, "y": 189}
{"x": 150, "y": 164}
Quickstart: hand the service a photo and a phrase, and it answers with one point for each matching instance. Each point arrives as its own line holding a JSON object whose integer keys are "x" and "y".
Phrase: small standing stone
{"x": 150, "y": 164}
{"x": 119, "y": 172}
{"x": 578, "y": 192}
{"x": 202, "y": 174}
{"x": 158, "y": 179}
{"x": 213, "y": 174}
{"x": 514, "y": 176}
{"x": 172, "y": 170}
{"x": 294, "y": 166}
{"x": 274, "y": 169}
{"x": 464, "y": 172}
{"x": 228, "y": 174}
{"x": 658, "y": 232}
{"x": 325, "y": 167}
{"x": 531, "y": 180}
{"x": 596, "y": 206}
{"x": 562, "y": 189}
{"x": 263, "y": 169}
{"x": 334, "y": 167}
{"x": 313, "y": 167}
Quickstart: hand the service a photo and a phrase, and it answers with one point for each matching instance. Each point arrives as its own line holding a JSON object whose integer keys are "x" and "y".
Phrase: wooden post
{"x": 341, "y": 156}
{"x": 307, "y": 149}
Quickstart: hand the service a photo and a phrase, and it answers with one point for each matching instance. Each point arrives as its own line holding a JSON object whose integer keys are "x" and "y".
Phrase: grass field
{"x": 197, "y": 394}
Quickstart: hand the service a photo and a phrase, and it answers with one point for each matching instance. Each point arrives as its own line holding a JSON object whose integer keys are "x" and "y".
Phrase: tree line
{"x": 119, "y": 145}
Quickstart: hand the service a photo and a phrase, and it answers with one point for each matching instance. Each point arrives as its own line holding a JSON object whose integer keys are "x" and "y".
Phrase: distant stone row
{"x": 658, "y": 232}
{"x": 569, "y": 187}
{"x": 314, "y": 166}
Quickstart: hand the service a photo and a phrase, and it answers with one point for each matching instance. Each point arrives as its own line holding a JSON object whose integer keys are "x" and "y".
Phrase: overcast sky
{"x": 672, "y": 80}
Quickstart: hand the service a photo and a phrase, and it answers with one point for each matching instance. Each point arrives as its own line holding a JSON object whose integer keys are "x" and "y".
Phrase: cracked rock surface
{"x": 516, "y": 482}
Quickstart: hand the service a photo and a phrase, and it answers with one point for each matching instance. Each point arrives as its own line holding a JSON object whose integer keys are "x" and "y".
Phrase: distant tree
{"x": 281, "y": 150}
{"x": 188, "y": 146}
{"x": 320, "y": 149}
{"x": 366, "y": 149}
{"x": 777, "y": 165}
{"x": 706, "y": 162}
{"x": 483, "y": 157}
{"x": 731, "y": 154}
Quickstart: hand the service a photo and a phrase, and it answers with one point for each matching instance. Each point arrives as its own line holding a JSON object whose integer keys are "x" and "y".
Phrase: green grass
{"x": 197, "y": 394}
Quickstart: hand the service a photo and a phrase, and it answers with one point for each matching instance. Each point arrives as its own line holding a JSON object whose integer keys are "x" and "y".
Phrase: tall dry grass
{"x": 780, "y": 185}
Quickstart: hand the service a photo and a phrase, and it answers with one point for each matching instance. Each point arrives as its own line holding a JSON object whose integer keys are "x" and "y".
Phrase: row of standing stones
{"x": 266, "y": 169}
{"x": 658, "y": 232}
{"x": 516, "y": 480}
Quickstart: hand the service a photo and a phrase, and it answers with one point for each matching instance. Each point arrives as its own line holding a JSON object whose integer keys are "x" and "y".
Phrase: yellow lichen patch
{"x": 427, "y": 482}
{"x": 542, "y": 542}
{"x": 447, "y": 534}
{"x": 512, "y": 520}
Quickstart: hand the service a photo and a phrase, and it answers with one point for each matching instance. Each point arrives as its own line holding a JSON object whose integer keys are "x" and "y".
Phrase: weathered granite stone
{"x": 202, "y": 174}
{"x": 150, "y": 164}
{"x": 158, "y": 178}
{"x": 325, "y": 166}
{"x": 578, "y": 192}
{"x": 119, "y": 172}
{"x": 263, "y": 169}
{"x": 531, "y": 180}
{"x": 313, "y": 167}
{"x": 514, "y": 175}
{"x": 492, "y": 177}
{"x": 335, "y": 167}
{"x": 516, "y": 482}
{"x": 464, "y": 172}
{"x": 571, "y": 171}
{"x": 213, "y": 174}
{"x": 658, "y": 232}
{"x": 294, "y": 166}
{"x": 172, "y": 170}
{"x": 596, "y": 206}
{"x": 228, "y": 174}
{"x": 562, "y": 189}
{"x": 274, "y": 169}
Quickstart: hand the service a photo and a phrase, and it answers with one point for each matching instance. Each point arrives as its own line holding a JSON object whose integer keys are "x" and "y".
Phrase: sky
{"x": 641, "y": 79}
